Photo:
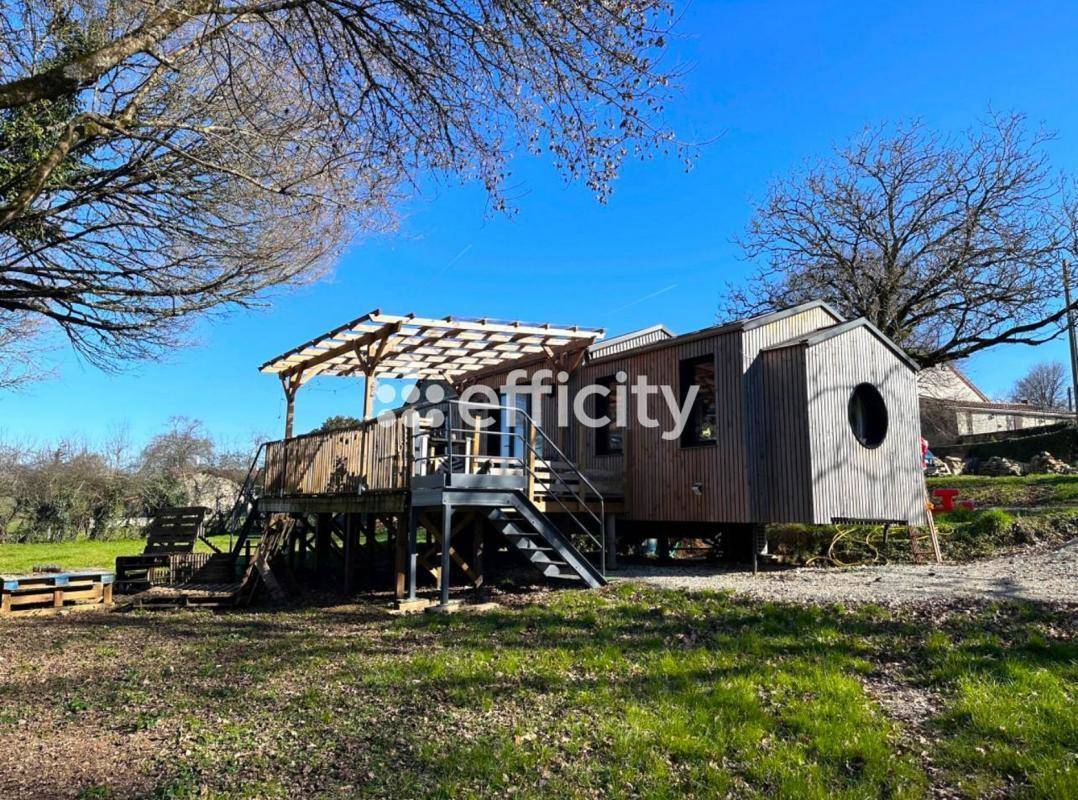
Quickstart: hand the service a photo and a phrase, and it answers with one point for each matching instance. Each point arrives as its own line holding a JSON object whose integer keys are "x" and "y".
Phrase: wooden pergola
{"x": 457, "y": 350}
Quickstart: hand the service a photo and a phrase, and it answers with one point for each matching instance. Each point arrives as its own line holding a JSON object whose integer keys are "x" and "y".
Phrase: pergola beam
{"x": 452, "y": 349}
{"x": 351, "y": 346}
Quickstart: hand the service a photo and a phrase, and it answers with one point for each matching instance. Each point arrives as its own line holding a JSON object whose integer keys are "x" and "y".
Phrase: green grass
{"x": 15, "y": 558}
{"x": 964, "y": 535}
{"x": 624, "y": 693}
{"x": 1027, "y": 490}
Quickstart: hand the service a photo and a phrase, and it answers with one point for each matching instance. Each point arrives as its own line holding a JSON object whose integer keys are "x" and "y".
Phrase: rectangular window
{"x": 699, "y": 372}
{"x": 609, "y": 439}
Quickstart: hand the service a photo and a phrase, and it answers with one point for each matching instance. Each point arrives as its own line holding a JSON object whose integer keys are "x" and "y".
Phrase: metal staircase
{"x": 545, "y": 547}
{"x": 538, "y": 499}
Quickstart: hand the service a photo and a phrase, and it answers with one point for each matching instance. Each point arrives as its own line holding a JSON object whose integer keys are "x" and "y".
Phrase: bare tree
{"x": 949, "y": 246}
{"x": 163, "y": 159}
{"x": 20, "y": 351}
{"x": 181, "y": 450}
{"x": 1044, "y": 386}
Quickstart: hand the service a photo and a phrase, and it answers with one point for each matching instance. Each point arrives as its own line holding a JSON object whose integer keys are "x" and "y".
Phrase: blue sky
{"x": 772, "y": 83}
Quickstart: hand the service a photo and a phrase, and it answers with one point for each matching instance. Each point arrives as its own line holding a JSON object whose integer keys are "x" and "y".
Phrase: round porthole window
{"x": 868, "y": 415}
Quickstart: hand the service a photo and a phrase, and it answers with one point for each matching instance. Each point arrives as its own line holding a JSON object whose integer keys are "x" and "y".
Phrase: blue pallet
{"x": 46, "y": 579}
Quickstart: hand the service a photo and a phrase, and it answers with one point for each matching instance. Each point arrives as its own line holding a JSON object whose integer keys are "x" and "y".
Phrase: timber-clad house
{"x": 800, "y": 416}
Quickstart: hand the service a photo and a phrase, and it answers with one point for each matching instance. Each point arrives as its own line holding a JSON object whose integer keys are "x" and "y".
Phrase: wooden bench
{"x": 172, "y": 532}
{"x": 54, "y": 590}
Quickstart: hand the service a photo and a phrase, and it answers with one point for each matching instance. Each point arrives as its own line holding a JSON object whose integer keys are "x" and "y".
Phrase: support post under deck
{"x": 350, "y": 541}
{"x": 321, "y": 546}
{"x": 447, "y": 538}
{"x": 413, "y": 551}
{"x": 401, "y": 535}
{"x": 611, "y": 533}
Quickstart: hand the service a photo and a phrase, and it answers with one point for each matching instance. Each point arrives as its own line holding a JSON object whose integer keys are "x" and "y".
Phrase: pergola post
{"x": 369, "y": 383}
{"x": 290, "y": 383}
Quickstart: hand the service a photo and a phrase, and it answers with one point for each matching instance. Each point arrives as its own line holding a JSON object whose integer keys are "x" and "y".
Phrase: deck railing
{"x": 375, "y": 456}
{"x": 372, "y": 456}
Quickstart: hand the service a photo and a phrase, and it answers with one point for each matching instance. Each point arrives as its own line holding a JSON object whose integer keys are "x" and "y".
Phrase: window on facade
{"x": 699, "y": 372}
{"x": 609, "y": 439}
{"x": 868, "y": 415}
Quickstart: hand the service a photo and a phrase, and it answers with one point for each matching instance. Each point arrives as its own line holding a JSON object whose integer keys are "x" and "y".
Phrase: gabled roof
{"x": 953, "y": 367}
{"x": 823, "y": 334}
{"x": 727, "y": 327}
{"x": 774, "y": 316}
{"x": 407, "y": 346}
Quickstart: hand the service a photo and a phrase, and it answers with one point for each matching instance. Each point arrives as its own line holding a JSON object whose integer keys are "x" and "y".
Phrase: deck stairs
{"x": 246, "y": 500}
{"x": 542, "y": 544}
{"x": 533, "y": 494}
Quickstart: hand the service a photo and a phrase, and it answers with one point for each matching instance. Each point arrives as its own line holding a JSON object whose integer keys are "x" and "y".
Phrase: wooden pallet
{"x": 172, "y": 532}
{"x": 54, "y": 590}
{"x": 194, "y": 595}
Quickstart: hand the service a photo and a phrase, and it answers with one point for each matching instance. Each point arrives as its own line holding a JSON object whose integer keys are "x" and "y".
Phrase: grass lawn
{"x": 1024, "y": 491}
{"x": 622, "y": 693}
{"x": 70, "y": 555}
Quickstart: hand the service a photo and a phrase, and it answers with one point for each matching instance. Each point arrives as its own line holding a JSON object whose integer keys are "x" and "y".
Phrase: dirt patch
{"x": 912, "y": 706}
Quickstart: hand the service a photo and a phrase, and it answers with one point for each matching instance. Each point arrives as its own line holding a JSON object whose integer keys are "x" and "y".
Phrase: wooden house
{"x": 779, "y": 394}
{"x": 796, "y": 416}
{"x": 954, "y": 411}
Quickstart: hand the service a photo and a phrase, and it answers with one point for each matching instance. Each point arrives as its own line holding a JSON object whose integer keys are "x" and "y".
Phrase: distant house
{"x": 953, "y": 407}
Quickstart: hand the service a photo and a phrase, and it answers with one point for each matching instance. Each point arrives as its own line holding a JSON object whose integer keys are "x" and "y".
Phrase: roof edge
{"x": 775, "y": 316}
{"x": 823, "y": 334}
{"x": 718, "y": 330}
{"x": 628, "y": 335}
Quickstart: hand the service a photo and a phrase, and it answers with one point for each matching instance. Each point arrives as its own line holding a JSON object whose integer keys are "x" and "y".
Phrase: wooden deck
{"x": 373, "y": 467}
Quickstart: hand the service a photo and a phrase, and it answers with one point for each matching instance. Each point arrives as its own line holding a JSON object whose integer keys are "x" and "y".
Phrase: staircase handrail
{"x": 245, "y": 493}
{"x": 600, "y": 539}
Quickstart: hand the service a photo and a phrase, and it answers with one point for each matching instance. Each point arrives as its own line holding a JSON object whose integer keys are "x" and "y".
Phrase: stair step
{"x": 530, "y": 546}
{"x": 541, "y": 559}
{"x": 555, "y": 571}
{"x": 516, "y": 533}
{"x": 523, "y": 533}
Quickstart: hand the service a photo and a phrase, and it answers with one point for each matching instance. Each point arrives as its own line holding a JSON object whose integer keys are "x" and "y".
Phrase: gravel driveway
{"x": 1039, "y": 575}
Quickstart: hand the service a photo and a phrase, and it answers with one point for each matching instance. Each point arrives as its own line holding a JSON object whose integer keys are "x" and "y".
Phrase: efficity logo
{"x": 594, "y": 405}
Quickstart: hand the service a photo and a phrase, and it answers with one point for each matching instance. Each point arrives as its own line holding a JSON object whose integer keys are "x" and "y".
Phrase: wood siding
{"x": 786, "y": 494}
{"x": 850, "y": 480}
{"x": 660, "y": 473}
{"x": 752, "y": 402}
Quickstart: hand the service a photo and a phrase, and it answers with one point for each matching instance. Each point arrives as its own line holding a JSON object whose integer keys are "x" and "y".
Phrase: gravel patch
{"x": 1047, "y": 576}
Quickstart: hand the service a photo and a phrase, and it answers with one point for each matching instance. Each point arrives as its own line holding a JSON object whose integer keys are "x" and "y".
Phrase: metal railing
{"x": 457, "y": 451}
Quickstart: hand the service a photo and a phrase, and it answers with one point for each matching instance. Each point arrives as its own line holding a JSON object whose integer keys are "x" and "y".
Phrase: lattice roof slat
{"x": 395, "y": 346}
